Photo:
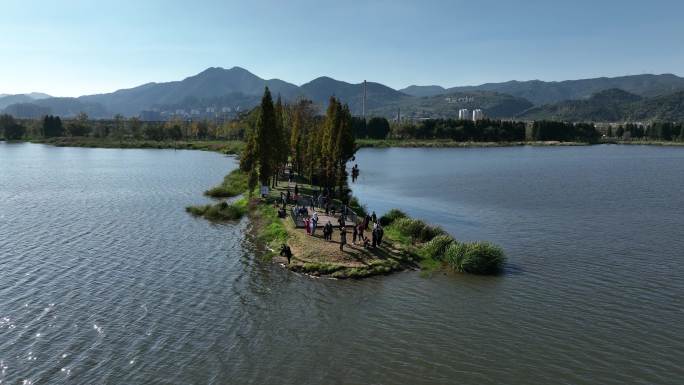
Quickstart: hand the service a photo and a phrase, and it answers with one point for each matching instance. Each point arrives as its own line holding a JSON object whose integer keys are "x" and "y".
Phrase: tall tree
{"x": 265, "y": 134}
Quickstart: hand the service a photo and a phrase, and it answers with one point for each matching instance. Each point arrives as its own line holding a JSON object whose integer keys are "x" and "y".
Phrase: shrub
{"x": 357, "y": 207}
{"x": 392, "y": 216}
{"x": 430, "y": 232}
{"x": 220, "y": 211}
{"x": 233, "y": 184}
{"x": 418, "y": 230}
{"x": 436, "y": 248}
{"x": 476, "y": 258}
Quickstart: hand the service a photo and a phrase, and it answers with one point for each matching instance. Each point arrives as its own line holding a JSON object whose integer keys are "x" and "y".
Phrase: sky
{"x": 71, "y": 48}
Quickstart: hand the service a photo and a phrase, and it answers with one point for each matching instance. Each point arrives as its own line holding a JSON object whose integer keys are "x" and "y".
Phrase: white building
{"x": 463, "y": 114}
{"x": 478, "y": 115}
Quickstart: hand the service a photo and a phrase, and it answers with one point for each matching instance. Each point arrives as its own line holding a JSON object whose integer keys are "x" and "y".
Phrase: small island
{"x": 302, "y": 212}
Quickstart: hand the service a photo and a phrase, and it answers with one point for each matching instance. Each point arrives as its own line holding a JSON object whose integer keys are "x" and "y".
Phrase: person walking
{"x": 286, "y": 252}
{"x": 355, "y": 233}
{"x": 374, "y": 217}
{"x": 381, "y": 233}
{"x": 328, "y": 231}
{"x": 361, "y": 237}
{"x": 314, "y": 223}
{"x": 306, "y": 226}
{"x": 374, "y": 237}
{"x": 343, "y": 238}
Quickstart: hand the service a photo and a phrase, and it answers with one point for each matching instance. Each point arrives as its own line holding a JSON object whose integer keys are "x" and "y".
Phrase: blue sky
{"x": 70, "y": 48}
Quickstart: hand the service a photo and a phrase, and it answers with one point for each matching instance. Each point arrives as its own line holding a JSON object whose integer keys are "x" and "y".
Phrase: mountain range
{"x": 613, "y": 105}
{"x": 222, "y": 90}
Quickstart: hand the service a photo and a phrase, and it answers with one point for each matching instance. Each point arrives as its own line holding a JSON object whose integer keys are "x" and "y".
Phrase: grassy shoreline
{"x": 408, "y": 244}
{"x": 441, "y": 143}
{"x": 225, "y": 147}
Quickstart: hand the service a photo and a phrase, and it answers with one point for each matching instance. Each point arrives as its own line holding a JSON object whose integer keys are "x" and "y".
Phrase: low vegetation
{"x": 392, "y": 216}
{"x": 475, "y": 258}
{"x": 222, "y": 211}
{"x": 233, "y": 184}
{"x": 224, "y": 147}
{"x": 436, "y": 248}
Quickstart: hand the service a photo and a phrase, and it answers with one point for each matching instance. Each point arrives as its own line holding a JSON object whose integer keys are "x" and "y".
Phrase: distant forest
{"x": 486, "y": 130}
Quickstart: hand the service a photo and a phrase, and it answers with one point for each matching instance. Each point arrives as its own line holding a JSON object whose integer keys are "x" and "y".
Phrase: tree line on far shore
{"x": 304, "y": 114}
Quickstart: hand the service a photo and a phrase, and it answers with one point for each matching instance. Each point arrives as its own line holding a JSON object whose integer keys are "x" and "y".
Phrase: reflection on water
{"x": 105, "y": 279}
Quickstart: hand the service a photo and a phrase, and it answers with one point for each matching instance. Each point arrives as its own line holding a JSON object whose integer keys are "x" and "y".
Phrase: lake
{"x": 105, "y": 279}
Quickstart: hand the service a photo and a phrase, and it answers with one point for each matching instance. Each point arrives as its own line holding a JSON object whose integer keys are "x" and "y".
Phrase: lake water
{"x": 104, "y": 279}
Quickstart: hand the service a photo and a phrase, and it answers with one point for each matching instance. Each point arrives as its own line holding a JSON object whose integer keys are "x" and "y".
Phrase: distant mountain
{"x": 613, "y": 105}
{"x": 494, "y": 105}
{"x": 218, "y": 90}
{"x": 211, "y": 83}
{"x": 64, "y": 107}
{"x": 6, "y": 99}
{"x": 321, "y": 89}
{"x": 422, "y": 91}
{"x": 540, "y": 93}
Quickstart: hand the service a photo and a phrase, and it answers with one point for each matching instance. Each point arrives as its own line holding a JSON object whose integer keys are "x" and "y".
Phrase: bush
{"x": 436, "y": 248}
{"x": 392, "y": 216}
{"x": 476, "y": 258}
{"x": 418, "y": 230}
{"x": 357, "y": 207}
{"x": 233, "y": 184}
{"x": 430, "y": 232}
{"x": 220, "y": 211}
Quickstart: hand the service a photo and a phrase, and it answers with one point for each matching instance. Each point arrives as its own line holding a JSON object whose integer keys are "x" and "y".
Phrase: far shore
{"x": 234, "y": 147}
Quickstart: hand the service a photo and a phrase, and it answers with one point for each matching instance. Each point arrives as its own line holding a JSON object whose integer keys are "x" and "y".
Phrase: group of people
{"x": 358, "y": 232}
{"x": 311, "y": 223}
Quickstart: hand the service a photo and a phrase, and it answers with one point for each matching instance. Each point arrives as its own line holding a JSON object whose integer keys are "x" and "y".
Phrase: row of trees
{"x": 316, "y": 147}
{"x": 120, "y": 128}
{"x": 561, "y": 131}
{"x": 461, "y": 130}
{"x": 10, "y": 129}
{"x": 654, "y": 131}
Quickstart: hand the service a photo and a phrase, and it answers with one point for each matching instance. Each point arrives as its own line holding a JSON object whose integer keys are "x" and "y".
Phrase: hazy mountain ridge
{"x": 541, "y": 93}
{"x": 217, "y": 89}
{"x": 495, "y": 105}
{"x": 613, "y": 105}
{"x": 7, "y": 99}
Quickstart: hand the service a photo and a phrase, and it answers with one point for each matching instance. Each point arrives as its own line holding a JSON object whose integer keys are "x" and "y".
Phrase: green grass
{"x": 222, "y": 211}
{"x": 436, "y": 248}
{"x": 379, "y": 267}
{"x": 272, "y": 229}
{"x": 357, "y": 207}
{"x": 417, "y": 230}
{"x": 222, "y": 146}
{"x": 475, "y": 258}
{"x": 448, "y": 143}
{"x": 233, "y": 184}
{"x": 392, "y": 216}
{"x": 320, "y": 268}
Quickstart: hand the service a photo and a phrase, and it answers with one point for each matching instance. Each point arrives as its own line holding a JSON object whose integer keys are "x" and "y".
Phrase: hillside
{"x": 612, "y": 105}
{"x": 6, "y": 99}
{"x": 377, "y": 95}
{"x": 211, "y": 83}
{"x": 494, "y": 105}
{"x": 540, "y": 92}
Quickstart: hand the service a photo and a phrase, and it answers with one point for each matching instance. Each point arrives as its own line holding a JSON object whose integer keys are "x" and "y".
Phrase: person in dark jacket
{"x": 286, "y": 252}
{"x": 343, "y": 238}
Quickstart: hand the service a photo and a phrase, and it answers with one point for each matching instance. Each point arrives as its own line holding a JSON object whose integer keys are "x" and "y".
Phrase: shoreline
{"x": 234, "y": 147}
{"x": 407, "y": 244}
{"x": 227, "y": 147}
